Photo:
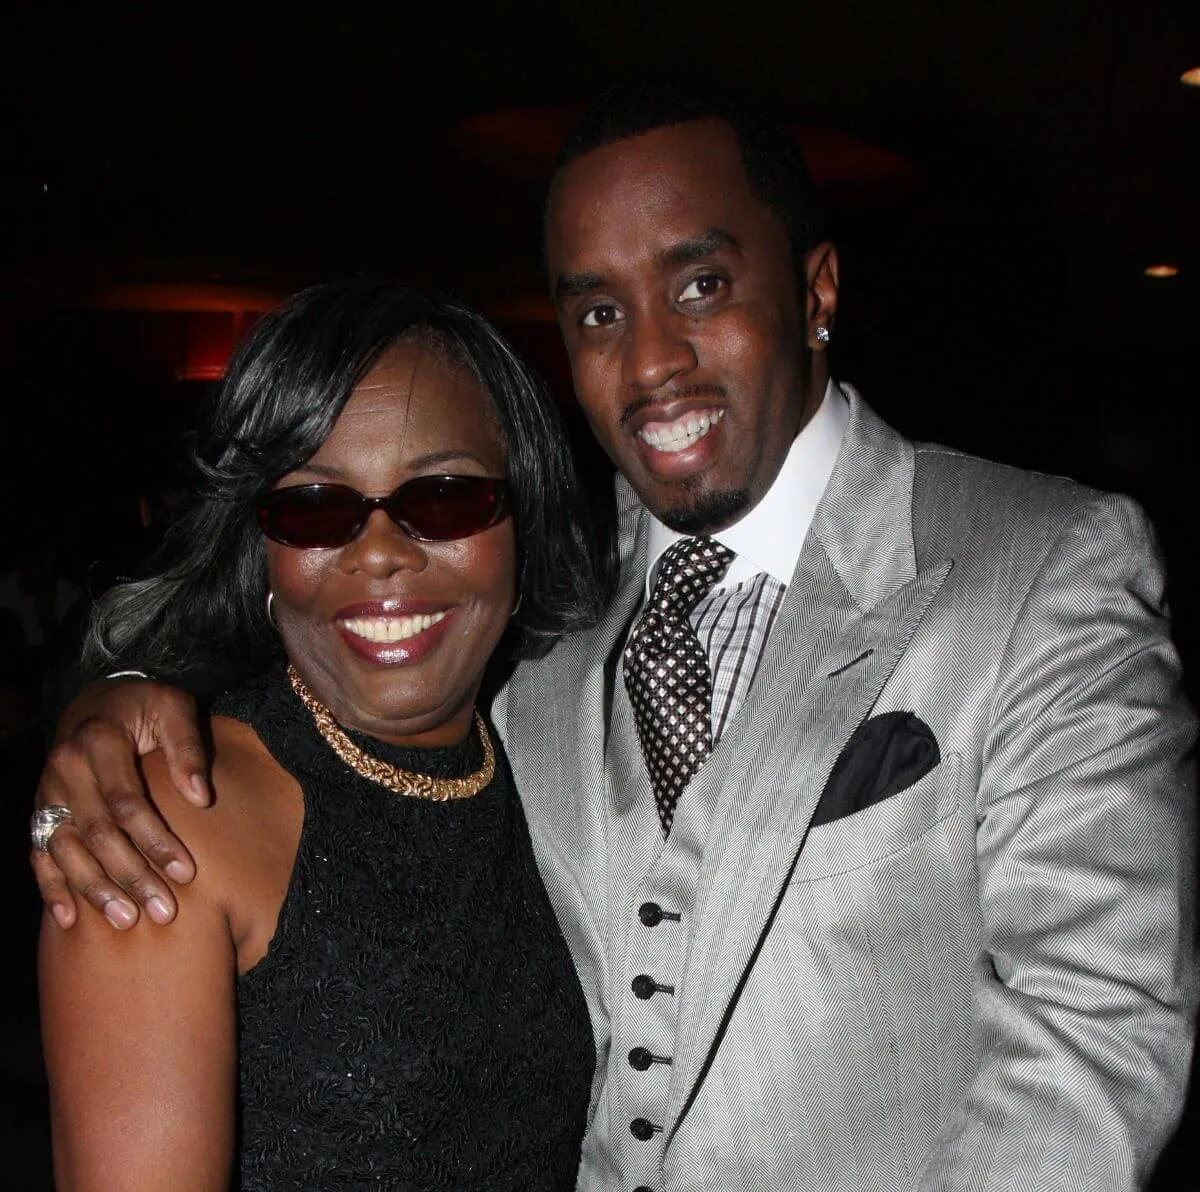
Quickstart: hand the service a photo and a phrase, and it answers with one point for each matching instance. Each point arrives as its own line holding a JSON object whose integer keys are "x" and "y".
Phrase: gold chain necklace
{"x": 402, "y": 782}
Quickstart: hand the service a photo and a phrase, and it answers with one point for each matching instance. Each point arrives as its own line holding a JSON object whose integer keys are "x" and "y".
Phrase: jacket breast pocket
{"x": 887, "y": 827}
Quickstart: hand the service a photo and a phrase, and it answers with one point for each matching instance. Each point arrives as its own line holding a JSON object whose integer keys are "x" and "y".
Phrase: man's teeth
{"x": 390, "y": 629}
{"x": 682, "y": 433}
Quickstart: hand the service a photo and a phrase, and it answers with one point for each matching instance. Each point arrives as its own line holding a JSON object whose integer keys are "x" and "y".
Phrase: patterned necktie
{"x": 666, "y": 671}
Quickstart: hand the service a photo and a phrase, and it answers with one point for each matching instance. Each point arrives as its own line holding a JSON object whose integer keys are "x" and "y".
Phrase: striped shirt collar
{"x": 769, "y": 537}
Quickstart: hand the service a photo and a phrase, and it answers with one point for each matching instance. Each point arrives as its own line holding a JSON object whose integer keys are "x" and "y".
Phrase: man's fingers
{"x": 147, "y": 716}
{"x": 187, "y": 763}
{"x": 85, "y": 875}
{"x": 101, "y": 783}
{"x": 56, "y": 894}
{"x": 177, "y": 731}
{"x": 118, "y": 848}
{"x": 119, "y": 781}
{"x": 53, "y": 790}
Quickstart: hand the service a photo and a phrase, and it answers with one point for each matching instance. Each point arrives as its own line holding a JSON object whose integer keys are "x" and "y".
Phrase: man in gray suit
{"x": 898, "y": 892}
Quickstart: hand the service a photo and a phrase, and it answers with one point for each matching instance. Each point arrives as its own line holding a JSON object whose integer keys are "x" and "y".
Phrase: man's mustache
{"x": 683, "y": 393}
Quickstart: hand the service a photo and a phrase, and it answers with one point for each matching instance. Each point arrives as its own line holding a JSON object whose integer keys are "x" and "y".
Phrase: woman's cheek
{"x": 297, "y": 578}
{"x": 488, "y": 567}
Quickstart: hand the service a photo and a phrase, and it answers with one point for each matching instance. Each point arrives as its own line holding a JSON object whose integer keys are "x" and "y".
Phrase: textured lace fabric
{"x": 416, "y": 1022}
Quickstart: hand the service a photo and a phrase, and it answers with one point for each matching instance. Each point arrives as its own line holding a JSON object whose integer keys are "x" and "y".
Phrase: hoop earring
{"x": 271, "y": 611}
{"x": 516, "y": 607}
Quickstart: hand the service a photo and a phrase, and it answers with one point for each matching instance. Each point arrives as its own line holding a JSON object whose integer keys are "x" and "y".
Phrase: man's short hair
{"x": 771, "y": 159}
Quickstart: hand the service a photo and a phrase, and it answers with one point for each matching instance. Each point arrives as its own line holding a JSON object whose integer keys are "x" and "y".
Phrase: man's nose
{"x": 382, "y": 548}
{"x": 657, "y": 349}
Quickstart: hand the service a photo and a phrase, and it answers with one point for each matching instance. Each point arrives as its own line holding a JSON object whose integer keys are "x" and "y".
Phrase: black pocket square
{"x": 884, "y": 756}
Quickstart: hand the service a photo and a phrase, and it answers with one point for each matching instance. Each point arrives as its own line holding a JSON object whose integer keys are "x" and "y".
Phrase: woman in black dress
{"x": 365, "y": 985}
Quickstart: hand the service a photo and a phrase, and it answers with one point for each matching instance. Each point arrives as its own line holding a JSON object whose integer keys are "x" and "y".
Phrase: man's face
{"x": 682, "y": 316}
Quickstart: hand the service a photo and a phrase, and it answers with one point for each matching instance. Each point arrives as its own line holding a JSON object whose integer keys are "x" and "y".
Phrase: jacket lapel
{"x": 854, "y": 602}
{"x": 555, "y": 711}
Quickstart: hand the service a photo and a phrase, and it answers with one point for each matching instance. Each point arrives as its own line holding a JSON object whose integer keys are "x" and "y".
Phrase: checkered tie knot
{"x": 666, "y": 671}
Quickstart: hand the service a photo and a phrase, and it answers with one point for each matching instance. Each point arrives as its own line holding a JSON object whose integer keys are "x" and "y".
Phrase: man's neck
{"x": 768, "y": 537}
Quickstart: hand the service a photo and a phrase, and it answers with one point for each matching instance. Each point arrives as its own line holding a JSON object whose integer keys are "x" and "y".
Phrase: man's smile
{"x": 682, "y": 432}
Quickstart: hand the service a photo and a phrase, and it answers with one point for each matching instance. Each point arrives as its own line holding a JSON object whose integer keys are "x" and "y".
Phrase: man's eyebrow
{"x": 575, "y": 285}
{"x": 700, "y": 247}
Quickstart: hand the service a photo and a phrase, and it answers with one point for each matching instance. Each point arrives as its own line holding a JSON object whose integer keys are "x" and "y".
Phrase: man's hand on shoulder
{"x": 117, "y": 847}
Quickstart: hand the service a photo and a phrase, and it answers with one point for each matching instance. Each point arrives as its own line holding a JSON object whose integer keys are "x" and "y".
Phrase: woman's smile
{"x": 389, "y": 627}
{"x": 394, "y": 634}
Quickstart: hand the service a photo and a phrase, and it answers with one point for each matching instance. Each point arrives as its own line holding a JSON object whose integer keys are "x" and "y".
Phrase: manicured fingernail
{"x": 159, "y": 911}
{"x": 177, "y": 871}
{"x": 61, "y": 916}
{"x": 118, "y": 914}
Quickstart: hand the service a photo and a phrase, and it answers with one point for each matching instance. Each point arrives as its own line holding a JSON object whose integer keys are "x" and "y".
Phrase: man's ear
{"x": 821, "y": 294}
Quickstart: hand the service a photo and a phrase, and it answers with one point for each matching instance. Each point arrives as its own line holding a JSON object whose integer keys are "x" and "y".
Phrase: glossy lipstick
{"x": 393, "y": 632}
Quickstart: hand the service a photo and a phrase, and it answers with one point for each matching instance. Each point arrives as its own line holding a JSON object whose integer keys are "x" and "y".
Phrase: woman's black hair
{"x": 203, "y": 607}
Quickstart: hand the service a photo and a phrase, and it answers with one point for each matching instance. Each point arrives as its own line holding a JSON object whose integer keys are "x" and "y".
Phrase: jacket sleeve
{"x": 1085, "y": 844}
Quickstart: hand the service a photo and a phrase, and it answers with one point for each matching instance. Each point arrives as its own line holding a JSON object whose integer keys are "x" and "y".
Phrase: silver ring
{"x": 45, "y": 822}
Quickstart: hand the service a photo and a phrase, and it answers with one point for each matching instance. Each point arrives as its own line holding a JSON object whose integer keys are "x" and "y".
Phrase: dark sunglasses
{"x": 431, "y": 508}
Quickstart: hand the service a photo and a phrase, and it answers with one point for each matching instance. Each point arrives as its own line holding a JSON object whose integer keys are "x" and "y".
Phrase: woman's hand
{"x": 94, "y": 771}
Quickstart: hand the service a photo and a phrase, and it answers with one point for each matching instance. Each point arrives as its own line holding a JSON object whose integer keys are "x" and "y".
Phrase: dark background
{"x": 998, "y": 175}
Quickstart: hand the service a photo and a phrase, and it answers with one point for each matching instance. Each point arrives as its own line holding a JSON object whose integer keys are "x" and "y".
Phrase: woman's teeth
{"x": 390, "y": 629}
{"x": 680, "y": 434}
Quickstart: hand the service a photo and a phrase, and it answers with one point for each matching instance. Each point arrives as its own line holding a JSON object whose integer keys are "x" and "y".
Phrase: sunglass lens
{"x": 440, "y": 508}
{"x": 312, "y": 515}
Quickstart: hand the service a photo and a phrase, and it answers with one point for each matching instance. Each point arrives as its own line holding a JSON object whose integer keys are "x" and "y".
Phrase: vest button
{"x": 643, "y": 986}
{"x": 640, "y": 1059}
{"x": 650, "y": 914}
{"x": 642, "y": 1129}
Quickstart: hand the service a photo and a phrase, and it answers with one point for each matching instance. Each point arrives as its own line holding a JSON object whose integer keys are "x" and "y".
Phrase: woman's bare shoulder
{"x": 254, "y": 818}
{"x": 240, "y": 766}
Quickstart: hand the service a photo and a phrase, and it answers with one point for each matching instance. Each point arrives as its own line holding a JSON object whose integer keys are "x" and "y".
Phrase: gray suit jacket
{"x": 983, "y": 981}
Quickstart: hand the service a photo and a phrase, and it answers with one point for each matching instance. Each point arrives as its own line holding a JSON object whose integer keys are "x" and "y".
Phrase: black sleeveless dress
{"x": 417, "y": 1022}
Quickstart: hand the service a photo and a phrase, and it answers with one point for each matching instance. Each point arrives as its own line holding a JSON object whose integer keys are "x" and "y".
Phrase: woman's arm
{"x": 139, "y": 1030}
